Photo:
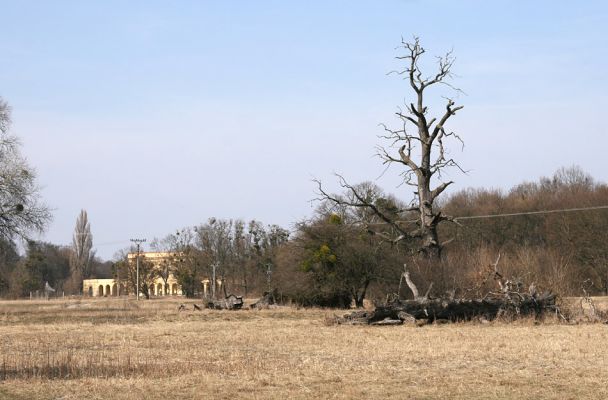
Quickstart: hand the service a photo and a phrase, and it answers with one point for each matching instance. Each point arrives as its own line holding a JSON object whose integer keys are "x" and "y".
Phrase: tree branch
{"x": 361, "y": 202}
{"x": 439, "y": 189}
{"x": 449, "y": 111}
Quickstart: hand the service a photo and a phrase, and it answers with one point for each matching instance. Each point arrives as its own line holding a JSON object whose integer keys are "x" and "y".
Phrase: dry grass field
{"x": 123, "y": 349}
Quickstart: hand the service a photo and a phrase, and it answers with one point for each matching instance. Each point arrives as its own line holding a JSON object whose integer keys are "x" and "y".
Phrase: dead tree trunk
{"x": 490, "y": 308}
{"x": 359, "y": 293}
{"x": 268, "y": 299}
{"x": 231, "y": 302}
{"x": 508, "y": 302}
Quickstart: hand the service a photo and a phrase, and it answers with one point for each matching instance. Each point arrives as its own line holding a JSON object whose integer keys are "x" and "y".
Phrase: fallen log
{"x": 467, "y": 309}
{"x": 508, "y": 302}
{"x": 231, "y": 302}
{"x": 454, "y": 310}
{"x": 388, "y": 322}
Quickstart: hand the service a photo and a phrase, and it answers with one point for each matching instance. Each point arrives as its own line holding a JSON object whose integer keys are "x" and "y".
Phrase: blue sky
{"x": 157, "y": 115}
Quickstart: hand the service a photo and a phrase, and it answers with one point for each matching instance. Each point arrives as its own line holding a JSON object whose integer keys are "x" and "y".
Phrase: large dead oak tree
{"x": 418, "y": 148}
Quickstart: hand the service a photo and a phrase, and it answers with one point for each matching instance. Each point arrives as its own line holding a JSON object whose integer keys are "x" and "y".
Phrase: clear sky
{"x": 157, "y": 115}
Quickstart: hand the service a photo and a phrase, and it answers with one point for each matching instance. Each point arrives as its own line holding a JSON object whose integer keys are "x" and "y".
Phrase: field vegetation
{"x": 123, "y": 349}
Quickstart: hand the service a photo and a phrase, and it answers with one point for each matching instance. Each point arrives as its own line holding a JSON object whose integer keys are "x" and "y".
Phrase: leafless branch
{"x": 361, "y": 202}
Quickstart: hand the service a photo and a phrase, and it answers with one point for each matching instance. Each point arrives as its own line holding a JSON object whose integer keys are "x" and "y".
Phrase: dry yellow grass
{"x": 121, "y": 349}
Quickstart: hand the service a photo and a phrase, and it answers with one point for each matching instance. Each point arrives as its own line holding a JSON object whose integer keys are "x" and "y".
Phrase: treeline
{"x": 334, "y": 260}
{"x": 563, "y": 250}
{"x": 42, "y": 262}
{"x": 241, "y": 254}
{"x": 548, "y": 233}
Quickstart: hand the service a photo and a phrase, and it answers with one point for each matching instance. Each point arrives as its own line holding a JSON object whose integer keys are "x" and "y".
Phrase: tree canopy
{"x": 21, "y": 210}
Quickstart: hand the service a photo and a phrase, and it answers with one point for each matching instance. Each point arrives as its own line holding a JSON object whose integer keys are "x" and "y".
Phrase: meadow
{"x": 124, "y": 349}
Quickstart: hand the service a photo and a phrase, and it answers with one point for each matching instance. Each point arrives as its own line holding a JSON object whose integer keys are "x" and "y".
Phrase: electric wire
{"x": 564, "y": 210}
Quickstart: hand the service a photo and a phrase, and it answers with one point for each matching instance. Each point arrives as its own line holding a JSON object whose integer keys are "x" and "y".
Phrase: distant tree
{"x": 102, "y": 269}
{"x": 418, "y": 147}
{"x": 82, "y": 257}
{"x": 559, "y": 250}
{"x": 263, "y": 244}
{"x": 9, "y": 257}
{"x": 215, "y": 240}
{"x": 166, "y": 267}
{"x": 21, "y": 211}
{"x": 241, "y": 253}
{"x": 243, "y": 257}
{"x": 126, "y": 268}
{"x": 44, "y": 262}
{"x": 188, "y": 262}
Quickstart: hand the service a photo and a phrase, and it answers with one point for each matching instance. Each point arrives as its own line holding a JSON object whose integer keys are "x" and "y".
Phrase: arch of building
{"x": 100, "y": 287}
{"x": 158, "y": 287}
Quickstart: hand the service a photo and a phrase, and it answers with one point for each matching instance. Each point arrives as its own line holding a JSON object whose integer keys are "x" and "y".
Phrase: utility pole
{"x": 137, "y": 242}
{"x": 214, "y": 265}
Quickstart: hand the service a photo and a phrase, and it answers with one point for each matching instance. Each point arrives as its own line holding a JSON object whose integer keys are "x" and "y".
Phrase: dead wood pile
{"x": 440, "y": 310}
{"x": 509, "y": 301}
{"x": 231, "y": 302}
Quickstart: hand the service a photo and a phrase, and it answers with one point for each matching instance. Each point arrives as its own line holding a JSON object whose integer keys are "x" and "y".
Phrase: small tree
{"x": 341, "y": 258}
{"x": 418, "y": 148}
{"x": 82, "y": 256}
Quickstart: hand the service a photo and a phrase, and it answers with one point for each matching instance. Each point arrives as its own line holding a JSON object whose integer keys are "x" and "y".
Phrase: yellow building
{"x": 114, "y": 287}
{"x": 102, "y": 287}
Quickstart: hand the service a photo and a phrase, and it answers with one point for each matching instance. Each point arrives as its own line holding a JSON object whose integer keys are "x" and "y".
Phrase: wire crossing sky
{"x": 153, "y": 115}
{"x": 539, "y": 212}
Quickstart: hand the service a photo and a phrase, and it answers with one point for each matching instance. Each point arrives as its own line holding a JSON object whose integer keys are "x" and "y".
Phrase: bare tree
{"x": 166, "y": 266}
{"x": 187, "y": 263}
{"x": 215, "y": 238}
{"x": 418, "y": 148}
{"x": 81, "y": 260}
{"x": 21, "y": 210}
{"x": 126, "y": 268}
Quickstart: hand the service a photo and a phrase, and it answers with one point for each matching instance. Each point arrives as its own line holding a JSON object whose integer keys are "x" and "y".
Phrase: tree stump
{"x": 268, "y": 299}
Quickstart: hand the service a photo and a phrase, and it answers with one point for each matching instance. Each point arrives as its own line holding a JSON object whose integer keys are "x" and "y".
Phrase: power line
{"x": 564, "y": 210}
{"x": 110, "y": 243}
{"x": 539, "y": 212}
